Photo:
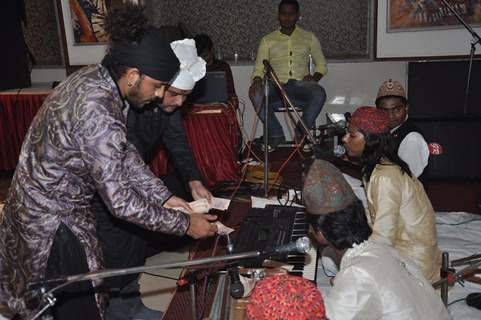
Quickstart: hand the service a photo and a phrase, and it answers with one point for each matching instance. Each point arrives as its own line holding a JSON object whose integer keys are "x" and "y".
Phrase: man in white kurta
{"x": 375, "y": 282}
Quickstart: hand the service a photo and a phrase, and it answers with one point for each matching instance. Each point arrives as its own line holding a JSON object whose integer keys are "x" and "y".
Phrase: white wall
{"x": 348, "y": 85}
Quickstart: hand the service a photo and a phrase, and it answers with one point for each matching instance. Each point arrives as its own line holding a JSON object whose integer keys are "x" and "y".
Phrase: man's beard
{"x": 135, "y": 97}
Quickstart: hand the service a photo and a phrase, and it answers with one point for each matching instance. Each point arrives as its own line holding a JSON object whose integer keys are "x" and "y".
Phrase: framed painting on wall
{"x": 409, "y": 15}
{"x": 84, "y": 40}
{"x": 406, "y": 29}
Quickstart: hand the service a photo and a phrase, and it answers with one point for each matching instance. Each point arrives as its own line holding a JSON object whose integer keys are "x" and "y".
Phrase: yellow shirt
{"x": 289, "y": 55}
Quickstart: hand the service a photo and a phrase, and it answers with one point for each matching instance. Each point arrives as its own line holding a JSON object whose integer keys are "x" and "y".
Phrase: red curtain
{"x": 212, "y": 133}
{"x": 16, "y": 113}
{"x": 211, "y": 130}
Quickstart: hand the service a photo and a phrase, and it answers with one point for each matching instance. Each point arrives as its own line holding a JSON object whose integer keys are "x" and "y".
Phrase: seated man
{"x": 412, "y": 148}
{"x": 288, "y": 50}
{"x": 374, "y": 280}
{"x": 205, "y": 50}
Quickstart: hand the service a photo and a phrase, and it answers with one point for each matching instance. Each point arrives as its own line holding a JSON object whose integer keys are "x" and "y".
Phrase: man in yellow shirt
{"x": 288, "y": 50}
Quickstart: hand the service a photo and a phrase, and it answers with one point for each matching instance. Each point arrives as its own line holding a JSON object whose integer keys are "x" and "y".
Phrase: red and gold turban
{"x": 370, "y": 120}
{"x": 286, "y": 297}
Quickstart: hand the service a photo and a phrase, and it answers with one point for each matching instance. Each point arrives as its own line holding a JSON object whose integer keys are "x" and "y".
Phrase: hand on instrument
{"x": 176, "y": 202}
{"x": 201, "y": 225}
{"x": 199, "y": 191}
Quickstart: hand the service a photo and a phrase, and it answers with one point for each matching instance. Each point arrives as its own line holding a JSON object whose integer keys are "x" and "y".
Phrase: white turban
{"x": 192, "y": 67}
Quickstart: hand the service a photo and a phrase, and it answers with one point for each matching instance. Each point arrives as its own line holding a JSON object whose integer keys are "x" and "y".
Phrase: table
{"x": 17, "y": 110}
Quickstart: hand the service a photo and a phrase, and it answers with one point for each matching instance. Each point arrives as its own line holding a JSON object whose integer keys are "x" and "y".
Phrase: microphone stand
{"x": 266, "y": 131}
{"x": 474, "y": 41}
{"x": 270, "y": 73}
{"x": 48, "y": 298}
{"x": 290, "y": 105}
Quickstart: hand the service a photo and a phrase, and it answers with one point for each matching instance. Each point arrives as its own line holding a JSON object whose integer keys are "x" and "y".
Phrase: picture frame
{"x": 75, "y": 54}
{"x": 418, "y": 44}
{"x": 411, "y": 15}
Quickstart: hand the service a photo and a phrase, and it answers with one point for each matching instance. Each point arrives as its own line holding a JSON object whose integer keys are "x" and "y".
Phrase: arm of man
{"x": 127, "y": 186}
{"x": 414, "y": 151}
{"x": 318, "y": 59}
{"x": 353, "y": 296}
{"x": 262, "y": 54}
{"x": 384, "y": 199}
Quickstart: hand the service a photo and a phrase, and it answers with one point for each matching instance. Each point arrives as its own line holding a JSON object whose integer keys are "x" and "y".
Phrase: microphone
{"x": 301, "y": 245}
{"x": 236, "y": 287}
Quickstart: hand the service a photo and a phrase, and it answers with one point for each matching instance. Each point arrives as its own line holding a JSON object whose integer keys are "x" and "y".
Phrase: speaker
{"x": 461, "y": 144}
{"x": 437, "y": 88}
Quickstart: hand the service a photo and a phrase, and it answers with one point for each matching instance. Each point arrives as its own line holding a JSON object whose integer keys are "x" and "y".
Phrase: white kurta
{"x": 375, "y": 282}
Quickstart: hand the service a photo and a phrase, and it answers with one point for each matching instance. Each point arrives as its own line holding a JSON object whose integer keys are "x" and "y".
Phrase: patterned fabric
{"x": 325, "y": 189}
{"x": 285, "y": 297}
{"x": 289, "y": 55}
{"x": 370, "y": 120}
{"x": 391, "y": 88}
{"x": 76, "y": 145}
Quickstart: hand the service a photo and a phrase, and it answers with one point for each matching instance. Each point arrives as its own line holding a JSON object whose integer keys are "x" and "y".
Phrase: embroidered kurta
{"x": 401, "y": 213}
{"x": 376, "y": 282}
{"x": 76, "y": 145}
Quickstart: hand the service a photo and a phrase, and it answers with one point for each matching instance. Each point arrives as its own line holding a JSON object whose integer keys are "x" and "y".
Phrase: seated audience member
{"x": 374, "y": 280}
{"x": 285, "y": 297}
{"x": 205, "y": 49}
{"x": 412, "y": 148}
{"x": 288, "y": 50}
{"x": 399, "y": 209}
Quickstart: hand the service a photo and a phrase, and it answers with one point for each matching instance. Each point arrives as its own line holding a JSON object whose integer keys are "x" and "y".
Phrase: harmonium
{"x": 213, "y": 292}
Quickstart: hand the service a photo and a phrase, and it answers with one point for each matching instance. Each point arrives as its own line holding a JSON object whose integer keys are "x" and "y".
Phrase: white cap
{"x": 192, "y": 67}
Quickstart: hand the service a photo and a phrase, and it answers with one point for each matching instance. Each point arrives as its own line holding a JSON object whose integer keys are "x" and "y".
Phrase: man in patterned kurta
{"x": 77, "y": 146}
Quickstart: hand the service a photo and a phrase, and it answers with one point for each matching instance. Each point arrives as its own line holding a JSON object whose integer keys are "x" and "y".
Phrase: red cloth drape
{"x": 212, "y": 134}
{"x": 16, "y": 113}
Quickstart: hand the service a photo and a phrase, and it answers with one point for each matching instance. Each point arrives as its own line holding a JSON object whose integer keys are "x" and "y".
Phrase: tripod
{"x": 291, "y": 111}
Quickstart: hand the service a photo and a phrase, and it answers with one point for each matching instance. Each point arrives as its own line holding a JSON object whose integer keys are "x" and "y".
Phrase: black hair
{"x": 403, "y": 100}
{"x": 203, "y": 43}
{"x": 380, "y": 146}
{"x": 124, "y": 22}
{"x": 289, "y": 3}
{"x": 343, "y": 228}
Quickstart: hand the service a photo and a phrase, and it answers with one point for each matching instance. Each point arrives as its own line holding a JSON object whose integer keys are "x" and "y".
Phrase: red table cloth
{"x": 17, "y": 109}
